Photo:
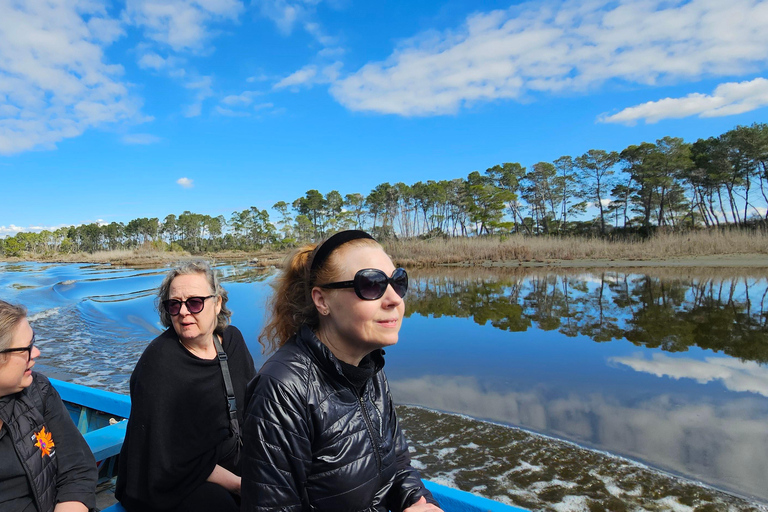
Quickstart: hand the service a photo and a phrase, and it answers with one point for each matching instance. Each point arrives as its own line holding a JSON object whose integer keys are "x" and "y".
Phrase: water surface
{"x": 594, "y": 388}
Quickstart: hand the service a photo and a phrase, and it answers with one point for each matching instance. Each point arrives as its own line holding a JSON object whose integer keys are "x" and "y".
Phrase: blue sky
{"x": 111, "y": 111}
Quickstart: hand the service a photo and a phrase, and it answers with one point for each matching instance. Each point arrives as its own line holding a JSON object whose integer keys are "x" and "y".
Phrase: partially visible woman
{"x": 321, "y": 431}
{"x": 182, "y": 444}
{"x": 45, "y": 464}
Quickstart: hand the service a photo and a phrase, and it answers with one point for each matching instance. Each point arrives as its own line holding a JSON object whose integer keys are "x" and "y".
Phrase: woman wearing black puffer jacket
{"x": 321, "y": 433}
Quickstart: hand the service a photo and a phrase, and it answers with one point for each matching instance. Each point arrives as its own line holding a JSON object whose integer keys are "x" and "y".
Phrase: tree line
{"x": 669, "y": 184}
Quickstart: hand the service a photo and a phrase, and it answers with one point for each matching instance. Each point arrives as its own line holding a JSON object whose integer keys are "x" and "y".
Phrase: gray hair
{"x": 10, "y": 316}
{"x": 190, "y": 268}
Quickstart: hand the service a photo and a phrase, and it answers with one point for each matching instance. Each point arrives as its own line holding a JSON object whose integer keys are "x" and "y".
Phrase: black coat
{"x": 66, "y": 470}
{"x": 312, "y": 442}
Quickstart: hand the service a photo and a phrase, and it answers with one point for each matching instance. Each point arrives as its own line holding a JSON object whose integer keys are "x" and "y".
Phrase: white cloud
{"x": 262, "y": 106}
{"x": 727, "y": 99}
{"x": 178, "y": 27}
{"x": 152, "y": 60}
{"x": 12, "y": 229}
{"x": 243, "y": 99}
{"x": 334, "y": 52}
{"x": 140, "y": 138}
{"x": 735, "y": 375}
{"x": 317, "y": 32}
{"x": 259, "y": 78}
{"x": 310, "y": 75}
{"x": 105, "y": 30}
{"x": 301, "y": 77}
{"x": 185, "y": 182}
{"x": 181, "y": 24}
{"x": 231, "y": 113}
{"x": 202, "y": 86}
{"x": 284, "y": 13}
{"x": 561, "y": 46}
{"x": 55, "y": 82}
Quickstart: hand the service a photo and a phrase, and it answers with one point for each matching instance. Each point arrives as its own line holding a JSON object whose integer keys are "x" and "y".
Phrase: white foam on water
{"x": 673, "y": 505}
{"x": 447, "y": 479}
{"x": 472, "y": 446}
{"x": 524, "y": 466}
{"x": 417, "y": 464}
{"x": 43, "y": 314}
{"x": 572, "y": 504}
{"x": 69, "y": 281}
{"x": 442, "y": 452}
{"x": 518, "y": 492}
{"x": 555, "y": 482}
{"x": 612, "y": 487}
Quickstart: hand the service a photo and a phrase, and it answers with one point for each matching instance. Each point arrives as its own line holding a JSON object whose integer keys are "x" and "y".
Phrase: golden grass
{"x": 542, "y": 249}
{"x": 150, "y": 257}
{"x": 510, "y": 251}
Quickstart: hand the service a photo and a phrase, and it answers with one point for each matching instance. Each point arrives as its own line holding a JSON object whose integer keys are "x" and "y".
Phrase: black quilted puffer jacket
{"x": 312, "y": 442}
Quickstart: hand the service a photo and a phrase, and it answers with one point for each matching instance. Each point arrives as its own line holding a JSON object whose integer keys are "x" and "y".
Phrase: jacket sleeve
{"x": 407, "y": 487}
{"x": 277, "y": 447}
{"x": 77, "y": 473}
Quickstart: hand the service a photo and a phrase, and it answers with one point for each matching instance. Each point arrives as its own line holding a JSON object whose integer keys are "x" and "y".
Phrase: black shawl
{"x": 179, "y": 421}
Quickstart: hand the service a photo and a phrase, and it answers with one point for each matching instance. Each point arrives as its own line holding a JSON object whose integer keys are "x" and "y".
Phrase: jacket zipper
{"x": 369, "y": 426}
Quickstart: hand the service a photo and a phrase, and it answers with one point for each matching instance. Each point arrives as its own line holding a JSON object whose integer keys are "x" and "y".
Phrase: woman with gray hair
{"x": 182, "y": 443}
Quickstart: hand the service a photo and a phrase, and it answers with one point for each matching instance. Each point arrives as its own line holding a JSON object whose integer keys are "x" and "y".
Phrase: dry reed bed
{"x": 477, "y": 251}
{"x": 525, "y": 249}
{"x": 147, "y": 257}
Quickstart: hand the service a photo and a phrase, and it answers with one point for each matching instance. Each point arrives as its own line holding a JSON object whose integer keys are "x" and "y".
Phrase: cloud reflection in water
{"x": 734, "y": 374}
{"x": 723, "y": 442}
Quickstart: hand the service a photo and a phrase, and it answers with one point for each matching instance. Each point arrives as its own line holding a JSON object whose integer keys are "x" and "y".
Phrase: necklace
{"x": 195, "y": 350}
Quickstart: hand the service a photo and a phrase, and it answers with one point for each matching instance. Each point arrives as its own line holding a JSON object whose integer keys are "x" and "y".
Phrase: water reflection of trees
{"x": 712, "y": 311}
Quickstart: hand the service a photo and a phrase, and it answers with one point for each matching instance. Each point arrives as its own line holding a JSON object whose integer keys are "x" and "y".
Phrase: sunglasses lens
{"x": 172, "y": 306}
{"x": 195, "y": 304}
{"x": 371, "y": 284}
{"x": 399, "y": 282}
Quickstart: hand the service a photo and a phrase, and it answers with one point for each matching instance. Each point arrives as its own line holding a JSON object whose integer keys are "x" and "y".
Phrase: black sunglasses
{"x": 27, "y": 349}
{"x": 371, "y": 283}
{"x": 194, "y": 305}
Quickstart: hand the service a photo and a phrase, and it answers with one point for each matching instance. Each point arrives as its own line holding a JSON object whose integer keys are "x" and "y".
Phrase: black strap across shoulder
{"x": 234, "y": 425}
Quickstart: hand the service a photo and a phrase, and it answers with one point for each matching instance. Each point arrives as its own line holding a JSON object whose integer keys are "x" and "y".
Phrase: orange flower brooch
{"x": 44, "y": 442}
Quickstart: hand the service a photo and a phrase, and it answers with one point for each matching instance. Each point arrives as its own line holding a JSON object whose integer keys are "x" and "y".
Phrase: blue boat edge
{"x": 101, "y": 417}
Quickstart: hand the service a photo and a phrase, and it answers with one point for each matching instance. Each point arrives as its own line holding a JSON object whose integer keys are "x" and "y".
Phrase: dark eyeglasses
{"x": 27, "y": 349}
{"x": 371, "y": 283}
{"x": 194, "y": 305}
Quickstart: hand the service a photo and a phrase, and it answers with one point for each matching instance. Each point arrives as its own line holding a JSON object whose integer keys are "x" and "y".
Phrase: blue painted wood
{"x": 97, "y": 399}
{"x": 454, "y": 500}
{"x": 107, "y": 441}
{"x": 117, "y": 507}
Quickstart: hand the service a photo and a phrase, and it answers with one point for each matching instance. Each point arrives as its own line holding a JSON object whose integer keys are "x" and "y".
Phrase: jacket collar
{"x": 7, "y": 404}
{"x": 325, "y": 357}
